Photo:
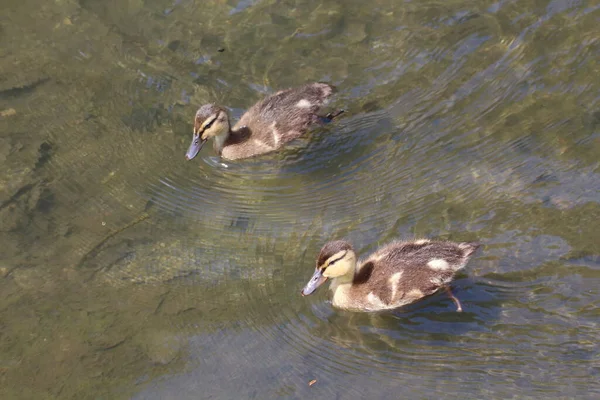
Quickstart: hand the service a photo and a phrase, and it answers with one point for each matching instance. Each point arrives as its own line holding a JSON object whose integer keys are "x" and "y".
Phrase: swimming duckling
{"x": 397, "y": 274}
{"x": 265, "y": 127}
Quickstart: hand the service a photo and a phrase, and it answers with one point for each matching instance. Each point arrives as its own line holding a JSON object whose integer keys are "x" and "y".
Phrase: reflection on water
{"x": 129, "y": 272}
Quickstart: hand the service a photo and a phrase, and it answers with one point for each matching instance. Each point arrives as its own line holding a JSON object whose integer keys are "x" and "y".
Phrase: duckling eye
{"x": 336, "y": 260}
{"x": 209, "y": 124}
{"x": 329, "y": 264}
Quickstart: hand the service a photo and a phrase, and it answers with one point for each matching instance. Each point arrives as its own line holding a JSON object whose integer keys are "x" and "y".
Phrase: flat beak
{"x": 317, "y": 280}
{"x": 195, "y": 147}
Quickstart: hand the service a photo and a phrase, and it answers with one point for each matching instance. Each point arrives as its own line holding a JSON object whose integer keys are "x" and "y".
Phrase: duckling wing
{"x": 404, "y": 272}
{"x": 285, "y": 115}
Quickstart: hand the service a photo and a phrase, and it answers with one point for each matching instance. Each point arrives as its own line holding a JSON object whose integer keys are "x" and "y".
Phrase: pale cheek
{"x": 333, "y": 271}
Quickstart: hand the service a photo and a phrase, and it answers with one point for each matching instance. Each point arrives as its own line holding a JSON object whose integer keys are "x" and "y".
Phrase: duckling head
{"x": 337, "y": 260}
{"x": 211, "y": 121}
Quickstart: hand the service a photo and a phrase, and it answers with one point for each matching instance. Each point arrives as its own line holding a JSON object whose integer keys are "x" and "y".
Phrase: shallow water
{"x": 128, "y": 272}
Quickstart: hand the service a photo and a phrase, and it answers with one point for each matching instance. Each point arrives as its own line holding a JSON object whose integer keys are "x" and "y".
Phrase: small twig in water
{"x": 96, "y": 248}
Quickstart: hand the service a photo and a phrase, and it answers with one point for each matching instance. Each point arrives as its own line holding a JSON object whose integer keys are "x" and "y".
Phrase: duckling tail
{"x": 469, "y": 248}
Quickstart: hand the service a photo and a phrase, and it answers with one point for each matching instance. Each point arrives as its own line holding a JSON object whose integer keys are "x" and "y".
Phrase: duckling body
{"x": 265, "y": 127}
{"x": 396, "y": 275}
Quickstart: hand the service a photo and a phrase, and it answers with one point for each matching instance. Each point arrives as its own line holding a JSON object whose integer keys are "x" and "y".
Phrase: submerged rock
{"x": 161, "y": 347}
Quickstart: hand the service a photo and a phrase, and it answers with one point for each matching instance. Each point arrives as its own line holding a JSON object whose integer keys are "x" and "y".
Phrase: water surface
{"x": 127, "y": 272}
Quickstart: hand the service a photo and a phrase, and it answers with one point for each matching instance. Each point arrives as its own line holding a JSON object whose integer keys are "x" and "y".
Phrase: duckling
{"x": 265, "y": 127}
{"x": 397, "y": 274}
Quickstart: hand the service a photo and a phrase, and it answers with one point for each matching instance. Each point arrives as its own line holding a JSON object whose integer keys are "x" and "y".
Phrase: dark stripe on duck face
{"x": 336, "y": 260}
{"x": 208, "y": 124}
{"x": 330, "y": 249}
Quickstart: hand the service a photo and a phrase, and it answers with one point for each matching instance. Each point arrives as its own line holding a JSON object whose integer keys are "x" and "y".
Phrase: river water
{"x": 129, "y": 272}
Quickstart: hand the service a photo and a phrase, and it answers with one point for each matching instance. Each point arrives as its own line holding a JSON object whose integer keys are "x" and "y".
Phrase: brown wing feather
{"x": 410, "y": 258}
{"x": 281, "y": 112}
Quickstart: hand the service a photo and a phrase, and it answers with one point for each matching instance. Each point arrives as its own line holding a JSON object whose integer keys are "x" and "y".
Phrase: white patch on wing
{"x": 438, "y": 264}
{"x": 439, "y": 281}
{"x": 262, "y": 144}
{"x": 415, "y": 294}
{"x": 303, "y": 104}
{"x": 377, "y": 257}
{"x": 375, "y": 301}
{"x": 275, "y": 134}
{"x": 394, "y": 280}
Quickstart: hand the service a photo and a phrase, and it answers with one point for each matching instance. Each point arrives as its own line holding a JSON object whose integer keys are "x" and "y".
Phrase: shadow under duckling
{"x": 265, "y": 127}
{"x": 397, "y": 274}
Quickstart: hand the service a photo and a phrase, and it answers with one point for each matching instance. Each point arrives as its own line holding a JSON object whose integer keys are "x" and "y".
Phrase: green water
{"x": 128, "y": 272}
